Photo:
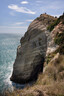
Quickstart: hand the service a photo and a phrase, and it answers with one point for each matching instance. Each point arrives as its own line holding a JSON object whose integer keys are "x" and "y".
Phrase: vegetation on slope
{"x": 56, "y": 22}
{"x": 59, "y": 39}
{"x": 49, "y": 83}
{"x": 46, "y": 19}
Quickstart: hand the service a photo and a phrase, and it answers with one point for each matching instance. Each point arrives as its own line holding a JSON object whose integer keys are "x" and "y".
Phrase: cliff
{"x": 32, "y": 51}
{"x": 51, "y": 81}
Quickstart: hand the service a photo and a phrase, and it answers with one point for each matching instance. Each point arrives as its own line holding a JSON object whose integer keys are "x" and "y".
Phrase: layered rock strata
{"x": 32, "y": 51}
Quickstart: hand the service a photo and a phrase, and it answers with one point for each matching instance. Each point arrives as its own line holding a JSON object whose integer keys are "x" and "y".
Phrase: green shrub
{"x": 60, "y": 19}
{"x": 51, "y": 26}
{"x": 59, "y": 39}
{"x": 48, "y": 59}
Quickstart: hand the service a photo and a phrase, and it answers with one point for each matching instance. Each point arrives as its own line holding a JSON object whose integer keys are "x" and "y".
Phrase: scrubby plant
{"x": 48, "y": 60}
{"x": 51, "y": 26}
{"x": 49, "y": 57}
{"x": 56, "y": 22}
{"x": 59, "y": 39}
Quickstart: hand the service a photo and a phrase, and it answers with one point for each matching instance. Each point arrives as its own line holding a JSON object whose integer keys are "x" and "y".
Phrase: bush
{"x": 51, "y": 26}
{"x": 59, "y": 39}
{"x": 60, "y": 19}
{"x": 49, "y": 57}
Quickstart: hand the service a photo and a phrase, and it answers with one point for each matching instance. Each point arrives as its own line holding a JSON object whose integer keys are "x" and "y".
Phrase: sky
{"x": 16, "y": 15}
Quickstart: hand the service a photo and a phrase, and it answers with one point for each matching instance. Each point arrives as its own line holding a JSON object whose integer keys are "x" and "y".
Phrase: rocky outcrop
{"x": 32, "y": 51}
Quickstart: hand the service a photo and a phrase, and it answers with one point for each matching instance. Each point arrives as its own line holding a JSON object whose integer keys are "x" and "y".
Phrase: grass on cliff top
{"x": 56, "y": 22}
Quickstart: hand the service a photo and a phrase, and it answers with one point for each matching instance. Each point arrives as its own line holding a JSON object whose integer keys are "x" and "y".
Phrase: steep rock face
{"x": 32, "y": 51}
{"x": 56, "y": 38}
{"x": 51, "y": 46}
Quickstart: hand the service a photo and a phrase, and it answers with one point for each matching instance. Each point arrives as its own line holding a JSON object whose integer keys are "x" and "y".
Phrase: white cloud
{"x": 18, "y": 23}
{"x": 54, "y": 7}
{"x": 13, "y": 27}
{"x": 24, "y": 2}
{"x": 39, "y": 1}
{"x": 29, "y": 20}
{"x": 20, "y": 9}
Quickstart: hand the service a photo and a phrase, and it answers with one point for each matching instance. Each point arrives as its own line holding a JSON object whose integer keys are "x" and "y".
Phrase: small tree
{"x": 45, "y": 12}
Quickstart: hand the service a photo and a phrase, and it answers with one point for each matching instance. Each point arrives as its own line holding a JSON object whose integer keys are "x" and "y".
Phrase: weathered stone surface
{"x": 51, "y": 46}
{"x": 32, "y": 51}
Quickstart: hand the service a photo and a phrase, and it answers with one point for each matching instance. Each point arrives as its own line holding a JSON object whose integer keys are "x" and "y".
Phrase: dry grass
{"x": 56, "y": 89}
{"x": 49, "y": 83}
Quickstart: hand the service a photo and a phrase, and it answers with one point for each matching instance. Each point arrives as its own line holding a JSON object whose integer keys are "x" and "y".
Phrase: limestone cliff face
{"x": 32, "y": 51}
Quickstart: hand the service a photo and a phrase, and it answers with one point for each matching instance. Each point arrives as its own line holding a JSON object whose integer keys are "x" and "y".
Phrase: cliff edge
{"x": 51, "y": 81}
{"x": 32, "y": 51}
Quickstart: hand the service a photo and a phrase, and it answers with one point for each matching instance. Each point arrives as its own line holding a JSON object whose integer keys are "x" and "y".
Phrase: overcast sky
{"x": 16, "y": 15}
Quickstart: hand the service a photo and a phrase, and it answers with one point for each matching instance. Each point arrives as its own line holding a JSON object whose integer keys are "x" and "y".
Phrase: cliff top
{"x": 40, "y": 23}
{"x": 46, "y": 16}
{"x": 43, "y": 20}
{"x": 46, "y": 19}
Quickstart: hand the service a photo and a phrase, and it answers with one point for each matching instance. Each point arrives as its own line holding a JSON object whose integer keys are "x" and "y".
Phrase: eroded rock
{"x": 32, "y": 51}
